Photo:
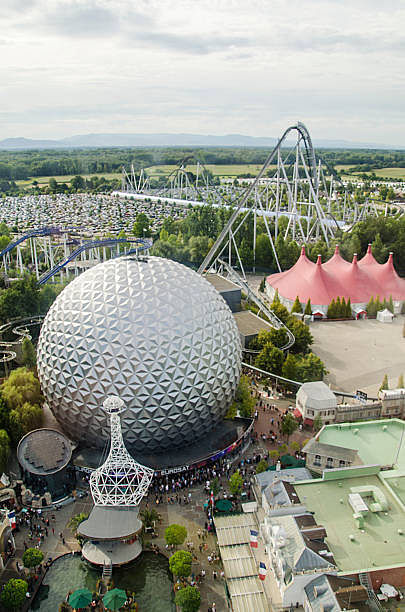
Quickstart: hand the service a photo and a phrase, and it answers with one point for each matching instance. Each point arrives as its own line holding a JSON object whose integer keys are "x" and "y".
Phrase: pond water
{"x": 149, "y": 577}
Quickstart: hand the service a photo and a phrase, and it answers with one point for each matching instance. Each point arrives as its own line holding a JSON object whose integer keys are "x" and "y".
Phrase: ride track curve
{"x": 142, "y": 244}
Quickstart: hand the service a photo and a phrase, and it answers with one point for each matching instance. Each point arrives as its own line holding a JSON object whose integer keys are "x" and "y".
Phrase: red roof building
{"x": 323, "y": 282}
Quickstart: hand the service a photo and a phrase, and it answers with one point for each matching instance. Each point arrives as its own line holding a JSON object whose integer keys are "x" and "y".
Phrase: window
{"x": 317, "y": 460}
{"x": 342, "y": 463}
{"x": 310, "y": 412}
{"x": 329, "y": 462}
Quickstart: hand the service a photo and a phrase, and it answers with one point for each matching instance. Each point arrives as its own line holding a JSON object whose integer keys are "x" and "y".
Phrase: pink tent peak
{"x": 322, "y": 282}
{"x": 393, "y": 284}
{"x": 368, "y": 259}
{"x": 336, "y": 264}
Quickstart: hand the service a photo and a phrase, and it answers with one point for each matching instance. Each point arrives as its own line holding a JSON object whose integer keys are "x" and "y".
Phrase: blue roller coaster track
{"x": 36, "y": 233}
{"x": 142, "y": 244}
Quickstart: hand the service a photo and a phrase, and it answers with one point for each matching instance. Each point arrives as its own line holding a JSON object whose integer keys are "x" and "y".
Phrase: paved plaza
{"x": 359, "y": 353}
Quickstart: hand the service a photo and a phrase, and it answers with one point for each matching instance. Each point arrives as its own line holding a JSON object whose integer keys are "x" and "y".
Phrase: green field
{"x": 217, "y": 170}
{"x": 397, "y": 173}
{"x": 385, "y": 173}
{"x": 231, "y": 170}
{"x": 44, "y": 180}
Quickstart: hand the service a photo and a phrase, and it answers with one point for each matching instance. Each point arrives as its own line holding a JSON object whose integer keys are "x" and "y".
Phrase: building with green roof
{"x": 353, "y": 517}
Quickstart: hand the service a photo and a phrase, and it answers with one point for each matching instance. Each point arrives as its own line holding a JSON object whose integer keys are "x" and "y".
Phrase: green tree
{"x": 283, "y": 449}
{"x": 20, "y": 387}
{"x": 244, "y": 401}
{"x": 303, "y": 337}
{"x": 215, "y": 487}
{"x": 390, "y": 305}
{"x": 261, "y": 466}
{"x": 264, "y": 252}
{"x": 180, "y": 563}
{"x": 274, "y": 454}
{"x": 270, "y": 359}
{"x": 4, "y": 449}
{"x": 14, "y": 593}
{"x": 175, "y": 534}
{"x": 290, "y": 367}
{"x": 236, "y": 483}
{"x": 262, "y": 285}
{"x": 141, "y": 226}
{"x": 28, "y": 417}
{"x": 74, "y": 523}
{"x": 188, "y": 599}
{"x": 400, "y": 384}
{"x": 4, "y": 229}
{"x": 371, "y": 307}
{"x": 198, "y": 247}
{"x": 380, "y": 251}
{"x": 296, "y": 307}
{"x": 309, "y": 368}
{"x": 29, "y": 357}
{"x": 331, "y": 313}
{"x": 289, "y": 424}
{"x": 32, "y": 557}
{"x": 295, "y": 446}
{"x": 19, "y": 300}
{"x": 280, "y": 311}
{"x": 149, "y": 517}
{"x": 317, "y": 423}
{"x": 384, "y": 384}
{"x": 308, "y": 308}
{"x": 349, "y": 309}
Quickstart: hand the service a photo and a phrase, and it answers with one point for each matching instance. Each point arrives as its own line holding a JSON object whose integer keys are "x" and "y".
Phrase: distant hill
{"x": 171, "y": 140}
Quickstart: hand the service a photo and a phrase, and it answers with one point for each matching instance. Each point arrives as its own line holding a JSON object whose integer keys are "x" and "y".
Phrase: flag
{"x": 262, "y": 571}
{"x": 253, "y": 538}
{"x": 12, "y": 519}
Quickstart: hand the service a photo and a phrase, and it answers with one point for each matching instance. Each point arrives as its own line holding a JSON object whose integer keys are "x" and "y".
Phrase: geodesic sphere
{"x": 153, "y": 332}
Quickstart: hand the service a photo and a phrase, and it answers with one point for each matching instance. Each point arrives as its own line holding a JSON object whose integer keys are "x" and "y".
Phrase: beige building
{"x": 320, "y": 456}
{"x": 316, "y": 399}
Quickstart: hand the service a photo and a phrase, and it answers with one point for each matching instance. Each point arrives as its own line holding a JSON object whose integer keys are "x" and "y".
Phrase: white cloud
{"x": 71, "y": 66}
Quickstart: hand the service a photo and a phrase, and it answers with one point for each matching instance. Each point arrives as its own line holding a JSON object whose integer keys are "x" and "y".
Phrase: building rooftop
{"x": 336, "y": 452}
{"x": 378, "y": 542}
{"x": 44, "y": 451}
{"x": 264, "y": 479}
{"x": 317, "y": 395}
{"x": 377, "y": 442}
{"x": 321, "y": 596}
{"x": 250, "y": 324}
{"x": 300, "y": 553}
{"x": 111, "y": 523}
{"x": 221, "y": 284}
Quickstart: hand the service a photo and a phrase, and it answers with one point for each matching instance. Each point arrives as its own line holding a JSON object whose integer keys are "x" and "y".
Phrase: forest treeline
{"x": 20, "y": 165}
{"x": 189, "y": 240}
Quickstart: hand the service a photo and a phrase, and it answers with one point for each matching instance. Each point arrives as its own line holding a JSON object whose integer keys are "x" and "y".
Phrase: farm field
{"x": 397, "y": 173}
{"x": 384, "y": 173}
{"x": 231, "y": 170}
{"x": 344, "y": 167}
{"x": 44, "y": 180}
{"x": 218, "y": 170}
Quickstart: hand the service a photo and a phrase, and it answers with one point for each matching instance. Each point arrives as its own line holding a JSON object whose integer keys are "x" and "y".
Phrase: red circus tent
{"x": 322, "y": 282}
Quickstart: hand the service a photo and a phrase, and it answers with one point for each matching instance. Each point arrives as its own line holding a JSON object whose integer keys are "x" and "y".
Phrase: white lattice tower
{"x": 120, "y": 481}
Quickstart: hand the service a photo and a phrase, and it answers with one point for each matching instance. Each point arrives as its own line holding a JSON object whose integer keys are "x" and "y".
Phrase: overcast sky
{"x": 211, "y": 67}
